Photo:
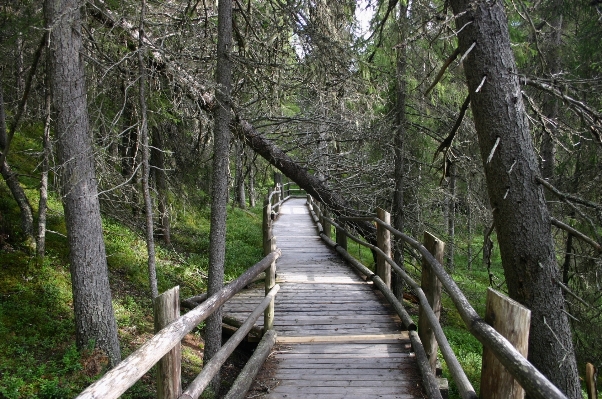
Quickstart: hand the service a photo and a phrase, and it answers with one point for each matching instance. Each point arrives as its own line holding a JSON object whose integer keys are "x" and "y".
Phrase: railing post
{"x": 512, "y": 320}
{"x": 277, "y": 197}
{"x": 270, "y": 281}
{"x": 167, "y": 309}
{"x": 326, "y": 226}
{"x": 383, "y": 241}
{"x": 267, "y": 225}
{"x": 341, "y": 238}
{"x": 431, "y": 286}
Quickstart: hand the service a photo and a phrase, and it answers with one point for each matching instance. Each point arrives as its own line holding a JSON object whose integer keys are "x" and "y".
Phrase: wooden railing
{"x": 163, "y": 348}
{"x": 534, "y": 383}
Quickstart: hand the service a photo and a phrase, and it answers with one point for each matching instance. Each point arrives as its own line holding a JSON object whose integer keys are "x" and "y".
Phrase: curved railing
{"x": 533, "y": 382}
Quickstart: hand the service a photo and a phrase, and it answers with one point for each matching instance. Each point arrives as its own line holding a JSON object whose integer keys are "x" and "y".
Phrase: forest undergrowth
{"x": 37, "y": 331}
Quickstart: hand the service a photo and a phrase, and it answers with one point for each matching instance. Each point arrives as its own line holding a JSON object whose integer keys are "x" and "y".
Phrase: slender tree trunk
{"x": 550, "y": 104}
{"x": 43, "y": 204}
{"x": 219, "y": 199}
{"x": 12, "y": 181}
{"x": 400, "y": 135}
{"x": 521, "y": 217}
{"x": 19, "y": 65}
{"x": 3, "y": 131}
{"x": 148, "y": 202}
{"x": 451, "y": 217}
{"x": 240, "y": 178}
{"x": 469, "y": 224}
{"x": 158, "y": 171}
{"x": 94, "y": 317}
{"x": 251, "y": 186}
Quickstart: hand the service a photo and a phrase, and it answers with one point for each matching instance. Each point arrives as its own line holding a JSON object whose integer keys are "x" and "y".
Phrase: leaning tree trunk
{"x": 94, "y": 317}
{"x": 219, "y": 200}
{"x": 12, "y": 181}
{"x": 308, "y": 182}
{"x": 253, "y": 139}
{"x": 521, "y": 218}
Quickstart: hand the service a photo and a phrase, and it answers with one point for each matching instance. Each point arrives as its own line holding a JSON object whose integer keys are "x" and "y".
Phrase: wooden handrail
{"x": 534, "y": 382}
{"x": 196, "y": 387}
{"x": 465, "y": 387}
{"x": 116, "y": 381}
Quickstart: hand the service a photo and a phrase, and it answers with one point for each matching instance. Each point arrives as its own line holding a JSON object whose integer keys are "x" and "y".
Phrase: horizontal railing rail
{"x": 116, "y": 381}
{"x": 535, "y": 384}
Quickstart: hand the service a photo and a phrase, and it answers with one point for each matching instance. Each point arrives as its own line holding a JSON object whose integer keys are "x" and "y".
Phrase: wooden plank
{"x": 337, "y": 338}
{"x": 343, "y": 382}
{"x": 339, "y": 395}
{"x": 350, "y": 392}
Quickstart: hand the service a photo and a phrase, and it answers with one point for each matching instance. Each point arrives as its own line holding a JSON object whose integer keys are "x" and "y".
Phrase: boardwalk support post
{"x": 270, "y": 281}
{"x": 167, "y": 309}
{"x": 326, "y": 226}
{"x": 431, "y": 286}
{"x": 383, "y": 241}
{"x": 341, "y": 238}
{"x": 277, "y": 191}
{"x": 512, "y": 321}
{"x": 267, "y": 226}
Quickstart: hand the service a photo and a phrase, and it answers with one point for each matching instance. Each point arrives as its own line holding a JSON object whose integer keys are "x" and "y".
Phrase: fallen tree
{"x": 205, "y": 100}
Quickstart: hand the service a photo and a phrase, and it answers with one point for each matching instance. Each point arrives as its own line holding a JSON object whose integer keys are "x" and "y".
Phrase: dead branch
{"x": 576, "y": 233}
{"x": 447, "y": 63}
{"x": 446, "y": 144}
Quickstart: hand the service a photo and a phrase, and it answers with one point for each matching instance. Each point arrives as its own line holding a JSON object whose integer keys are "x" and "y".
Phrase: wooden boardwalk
{"x": 337, "y": 336}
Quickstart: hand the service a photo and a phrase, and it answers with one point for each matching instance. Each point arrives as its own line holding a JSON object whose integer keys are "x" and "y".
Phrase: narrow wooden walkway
{"x": 337, "y": 336}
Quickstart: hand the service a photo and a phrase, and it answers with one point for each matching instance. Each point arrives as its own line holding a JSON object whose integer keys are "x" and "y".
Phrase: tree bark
{"x": 521, "y": 217}
{"x": 550, "y": 104}
{"x": 148, "y": 202}
{"x": 400, "y": 136}
{"x": 43, "y": 203}
{"x": 94, "y": 317}
{"x": 219, "y": 199}
{"x": 451, "y": 217}
{"x": 240, "y": 178}
{"x": 308, "y": 182}
{"x": 12, "y": 181}
{"x": 158, "y": 171}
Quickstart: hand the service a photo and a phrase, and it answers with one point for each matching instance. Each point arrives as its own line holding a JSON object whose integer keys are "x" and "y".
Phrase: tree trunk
{"x": 158, "y": 170}
{"x": 521, "y": 217}
{"x": 240, "y": 178}
{"x": 219, "y": 199}
{"x": 252, "y": 185}
{"x": 43, "y": 204}
{"x": 451, "y": 217}
{"x": 308, "y": 182}
{"x": 148, "y": 202}
{"x": 94, "y": 318}
{"x": 550, "y": 104}
{"x": 400, "y": 134}
{"x": 13, "y": 184}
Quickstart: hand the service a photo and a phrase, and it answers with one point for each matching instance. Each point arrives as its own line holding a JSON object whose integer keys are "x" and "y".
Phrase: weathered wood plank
{"x": 374, "y": 338}
{"x": 336, "y": 335}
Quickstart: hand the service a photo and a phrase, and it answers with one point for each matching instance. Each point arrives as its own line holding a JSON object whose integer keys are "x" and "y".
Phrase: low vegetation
{"x": 37, "y": 341}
